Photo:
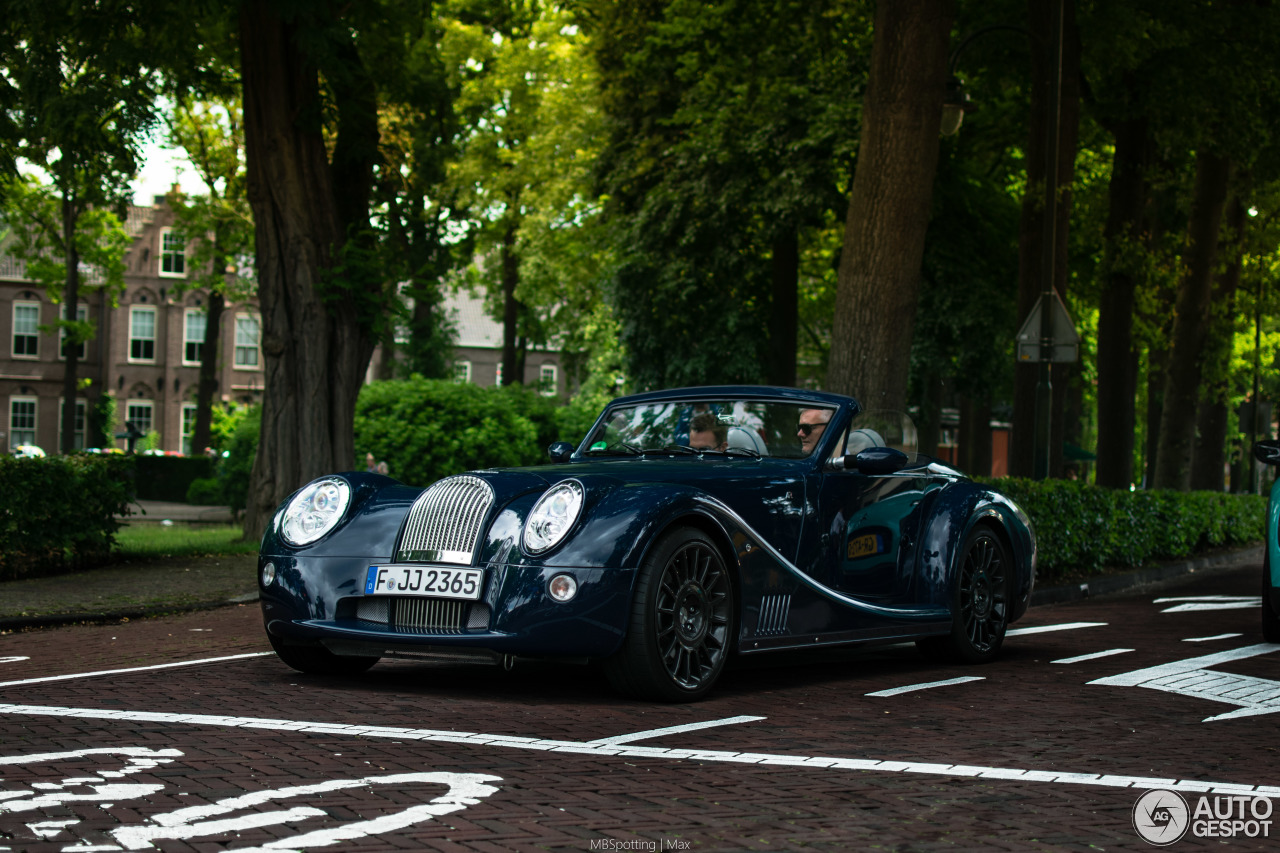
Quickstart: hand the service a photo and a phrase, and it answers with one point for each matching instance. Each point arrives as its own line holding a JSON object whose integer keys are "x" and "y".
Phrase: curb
{"x": 1139, "y": 578}
{"x": 57, "y": 620}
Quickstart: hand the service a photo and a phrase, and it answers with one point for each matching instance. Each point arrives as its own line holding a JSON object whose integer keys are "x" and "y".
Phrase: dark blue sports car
{"x": 1268, "y": 451}
{"x": 687, "y": 526}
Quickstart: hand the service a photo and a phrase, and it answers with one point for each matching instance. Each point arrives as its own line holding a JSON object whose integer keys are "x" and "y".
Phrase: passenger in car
{"x": 707, "y": 433}
{"x": 813, "y": 422}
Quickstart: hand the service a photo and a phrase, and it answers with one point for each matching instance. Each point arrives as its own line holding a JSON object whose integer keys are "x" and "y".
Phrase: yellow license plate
{"x": 864, "y": 546}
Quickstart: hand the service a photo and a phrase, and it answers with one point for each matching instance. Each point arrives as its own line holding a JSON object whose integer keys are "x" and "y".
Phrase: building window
{"x": 82, "y": 312}
{"x": 26, "y": 334}
{"x": 139, "y": 412}
{"x": 247, "y": 334}
{"x": 547, "y": 380}
{"x": 462, "y": 371}
{"x": 173, "y": 259}
{"x": 188, "y": 427}
{"x": 193, "y": 336}
{"x": 22, "y": 421}
{"x": 78, "y": 440}
{"x": 142, "y": 334}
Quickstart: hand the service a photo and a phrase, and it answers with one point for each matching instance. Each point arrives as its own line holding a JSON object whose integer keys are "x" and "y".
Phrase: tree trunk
{"x": 1117, "y": 380}
{"x": 512, "y": 348}
{"x": 784, "y": 311}
{"x": 1191, "y": 326}
{"x": 1210, "y": 457}
{"x": 1031, "y": 242}
{"x": 315, "y": 350}
{"x": 975, "y": 436}
{"x": 70, "y": 301}
{"x": 208, "y": 383}
{"x": 929, "y": 418}
{"x": 879, "y": 275}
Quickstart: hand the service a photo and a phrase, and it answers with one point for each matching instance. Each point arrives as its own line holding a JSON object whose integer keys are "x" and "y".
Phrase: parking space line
{"x": 1094, "y": 656}
{"x": 76, "y": 675}
{"x": 1214, "y": 637}
{"x": 671, "y": 730}
{"x": 894, "y": 691}
{"x": 657, "y": 753}
{"x": 1044, "y": 629}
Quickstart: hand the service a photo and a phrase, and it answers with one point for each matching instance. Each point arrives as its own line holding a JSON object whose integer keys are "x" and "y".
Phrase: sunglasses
{"x": 806, "y": 429}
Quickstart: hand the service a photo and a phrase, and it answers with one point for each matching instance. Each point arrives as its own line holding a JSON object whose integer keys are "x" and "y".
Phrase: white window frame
{"x": 173, "y": 257}
{"x": 82, "y": 313}
{"x": 188, "y": 427}
{"x": 548, "y": 383}
{"x": 35, "y": 333}
{"x": 243, "y": 348}
{"x": 134, "y": 312}
{"x": 82, "y": 411}
{"x": 151, "y": 414}
{"x": 462, "y": 372}
{"x": 35, "y": 421}
{"x": 188, "y": 341}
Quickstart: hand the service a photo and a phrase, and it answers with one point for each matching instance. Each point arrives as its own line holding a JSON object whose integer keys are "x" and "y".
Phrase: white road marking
{"x": 14, "y": 659}
{"x": 1214, "y": 637}
{"x": 1205, "y": 598}
{"x": 1215, "y": 605}
{"x": 50, "y": 828}
{"x": 1192, "y": 677}
{"x": 624, "y": 751}
{"x": 671, "y": 730}
{"x": 894, "y": 691}
{"x": 1044, "y": 629}
{"x": 1094, "y": 656}
{"x": 75, "y": 675}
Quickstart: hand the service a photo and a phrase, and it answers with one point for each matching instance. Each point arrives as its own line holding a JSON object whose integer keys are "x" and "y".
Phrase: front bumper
{"x": 321, "y": 600}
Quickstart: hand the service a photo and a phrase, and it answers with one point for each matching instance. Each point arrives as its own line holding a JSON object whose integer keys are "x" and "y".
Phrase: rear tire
{"x": 317, "y": 660}
{"x": 979, "y": 602}
{"x": 682, "y": 622}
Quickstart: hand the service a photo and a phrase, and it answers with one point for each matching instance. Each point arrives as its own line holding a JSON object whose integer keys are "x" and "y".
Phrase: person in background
{"x": 383, "y": 469}
{"x": 370, "y": 464}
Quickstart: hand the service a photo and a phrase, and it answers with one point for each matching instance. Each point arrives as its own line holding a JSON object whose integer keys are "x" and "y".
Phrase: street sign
{"x": 1064, "y": 342}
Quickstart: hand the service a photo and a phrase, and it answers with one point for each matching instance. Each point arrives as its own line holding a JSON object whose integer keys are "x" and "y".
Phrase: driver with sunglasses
{"x": 813, "y": 422}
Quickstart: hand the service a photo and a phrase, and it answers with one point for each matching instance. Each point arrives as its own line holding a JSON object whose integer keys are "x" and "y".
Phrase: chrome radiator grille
{"x": 424, "y": 615}
{"x": 444, "y": 523}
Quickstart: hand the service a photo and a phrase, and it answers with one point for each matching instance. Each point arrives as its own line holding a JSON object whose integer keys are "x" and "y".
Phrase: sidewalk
{"x": 157, "y": 512}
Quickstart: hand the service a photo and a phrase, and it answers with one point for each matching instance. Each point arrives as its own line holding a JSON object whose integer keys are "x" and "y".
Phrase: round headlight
{"x": 315, "y": 510}
{"x": 552, "y": 517}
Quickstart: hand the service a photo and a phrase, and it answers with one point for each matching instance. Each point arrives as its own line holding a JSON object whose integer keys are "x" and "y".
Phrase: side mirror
{"x": 873, "y": 460}
{"x": 1267, "y": 451}
{"x": 560, "y": 451}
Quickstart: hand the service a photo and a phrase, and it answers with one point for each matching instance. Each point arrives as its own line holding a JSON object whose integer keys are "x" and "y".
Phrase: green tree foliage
{"x": 731, "y": 128}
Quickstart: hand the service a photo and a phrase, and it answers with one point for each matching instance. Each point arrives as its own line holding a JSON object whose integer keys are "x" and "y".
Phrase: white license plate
{"x": 435, "y": 581}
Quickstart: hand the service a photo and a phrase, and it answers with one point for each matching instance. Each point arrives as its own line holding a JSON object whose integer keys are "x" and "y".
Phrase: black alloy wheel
{"x": 980, "y": 601}
{"x": 681, "y": 623}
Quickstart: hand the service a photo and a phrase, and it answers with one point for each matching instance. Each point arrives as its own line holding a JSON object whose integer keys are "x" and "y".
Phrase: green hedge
{"x": 167, "y": 478}
{"x": 60, "y": 511}
{"x": 1083, "y": 528}
{"x": 425, "y": 429}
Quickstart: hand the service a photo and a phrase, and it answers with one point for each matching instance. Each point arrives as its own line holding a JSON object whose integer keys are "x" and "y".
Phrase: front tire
{"x": 979, "y": 602}
{"x": 317, "y": 660}
{"x": 1270, "y": 619}
{"x": 682, "y": 622}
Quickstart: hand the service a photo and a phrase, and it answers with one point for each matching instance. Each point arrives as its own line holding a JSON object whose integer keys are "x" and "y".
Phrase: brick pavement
{"x": 1026, "y": 713}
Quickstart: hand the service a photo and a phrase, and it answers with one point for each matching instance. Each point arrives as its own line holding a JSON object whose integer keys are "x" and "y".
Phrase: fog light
{"x": 268, "y": 573}
{"x": 563, "y": 587}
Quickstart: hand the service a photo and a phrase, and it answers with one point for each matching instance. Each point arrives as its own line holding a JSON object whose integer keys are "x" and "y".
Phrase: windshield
{"x": 726, "y": 427}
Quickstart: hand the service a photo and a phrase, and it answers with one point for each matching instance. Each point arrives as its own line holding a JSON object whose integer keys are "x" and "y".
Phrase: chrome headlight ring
{"x": 315, "y": 510}
{"x": 552, "y": 517}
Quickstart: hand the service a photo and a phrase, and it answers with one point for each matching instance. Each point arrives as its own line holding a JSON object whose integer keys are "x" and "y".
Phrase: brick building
{"x": 146, "y": 352}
